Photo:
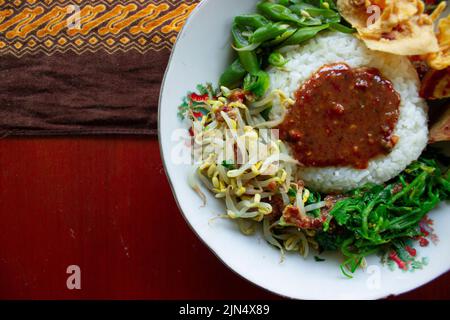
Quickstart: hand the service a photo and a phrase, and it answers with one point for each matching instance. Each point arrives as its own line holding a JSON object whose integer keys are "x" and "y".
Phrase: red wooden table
{"x": 105, "y": 205}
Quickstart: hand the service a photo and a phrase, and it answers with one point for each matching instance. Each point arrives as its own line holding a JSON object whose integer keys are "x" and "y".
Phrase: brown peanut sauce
{"x": 342, "y": 117}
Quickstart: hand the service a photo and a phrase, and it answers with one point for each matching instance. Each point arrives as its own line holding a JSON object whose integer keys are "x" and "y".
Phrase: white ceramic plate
{"x": 200, "y": 55}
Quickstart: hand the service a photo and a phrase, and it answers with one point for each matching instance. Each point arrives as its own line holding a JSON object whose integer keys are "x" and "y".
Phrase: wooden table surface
{"x": 105, "y": 205}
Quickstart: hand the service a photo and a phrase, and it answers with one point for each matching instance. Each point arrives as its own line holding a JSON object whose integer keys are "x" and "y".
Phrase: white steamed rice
{"x": 411, "y": 128}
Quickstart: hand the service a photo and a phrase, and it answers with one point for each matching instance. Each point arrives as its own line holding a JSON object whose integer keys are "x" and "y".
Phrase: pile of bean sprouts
{"x": 247, "y": 186}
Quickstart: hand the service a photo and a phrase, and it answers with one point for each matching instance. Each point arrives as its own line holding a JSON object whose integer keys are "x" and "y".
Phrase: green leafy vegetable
{"x": 377, "y": 216}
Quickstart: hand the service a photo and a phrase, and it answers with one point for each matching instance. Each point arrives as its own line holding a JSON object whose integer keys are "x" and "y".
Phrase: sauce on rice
{"x": 343, "y": 116}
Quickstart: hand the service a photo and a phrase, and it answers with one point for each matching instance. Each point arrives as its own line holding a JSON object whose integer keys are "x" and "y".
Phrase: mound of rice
{"x": 411, "y": 128}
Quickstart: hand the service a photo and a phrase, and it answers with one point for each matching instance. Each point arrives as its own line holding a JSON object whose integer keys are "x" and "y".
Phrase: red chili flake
{"x": 237, "y": 95}
{"x": 226, "y": 109}
{"x": 430, "y": 1}
{"x": 423, "y": 242}
{"x": 191, "y": 131}
{"x": 394, "y": 257}
{"x": 199, "y": 98}
{"x": 428, "y": 220}
{"x": 272, "y": 186}
{"x": 412, "y": 252}
{"x": 295, "y": 135}
{"x": 197, "y": 114}
{"x": 388, "y": 35}
{"x": 434, "y": 239}
{"x": 415, "y": 58}
{"x": 424, "y": 232}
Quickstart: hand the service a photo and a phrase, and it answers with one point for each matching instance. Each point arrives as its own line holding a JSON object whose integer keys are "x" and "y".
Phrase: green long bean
{"x": 254, "y": 21}
{"x": 248, "y": 59}
{"x": 233, "y": 75}
{"x": 258, "y": 37}
{"x": 269, "y": 32}
{"x": 278, "y": 12}
{"x": 303, "y": 34}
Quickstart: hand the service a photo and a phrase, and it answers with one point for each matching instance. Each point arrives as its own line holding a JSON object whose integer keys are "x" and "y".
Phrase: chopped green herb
{"x": 318, "y": 259}
{"x": 228, "y": 164}
{"x": 292, "y": 192}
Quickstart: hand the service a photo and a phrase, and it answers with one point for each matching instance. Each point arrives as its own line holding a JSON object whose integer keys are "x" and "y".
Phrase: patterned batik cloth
{"x": 84, "y": 66}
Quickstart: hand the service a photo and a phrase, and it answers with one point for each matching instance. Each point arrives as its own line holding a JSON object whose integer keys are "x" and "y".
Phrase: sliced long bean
{"x": 233, "y": 75}
{"x": 254, "y": 21}
{"x": 316, "y": 14}
{"x": 248, "y": 59}
{"x": 276, "y": 59}
{"x": 269, "y": 32}
{"x": 281, "y": 38}
{"x": 341, "y": 28}
{"x": 278, "y": 12}
{"x": 304, "y": 34}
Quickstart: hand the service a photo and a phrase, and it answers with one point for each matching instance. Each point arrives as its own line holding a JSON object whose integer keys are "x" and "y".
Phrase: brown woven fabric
{"x": 84, "y": 67}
